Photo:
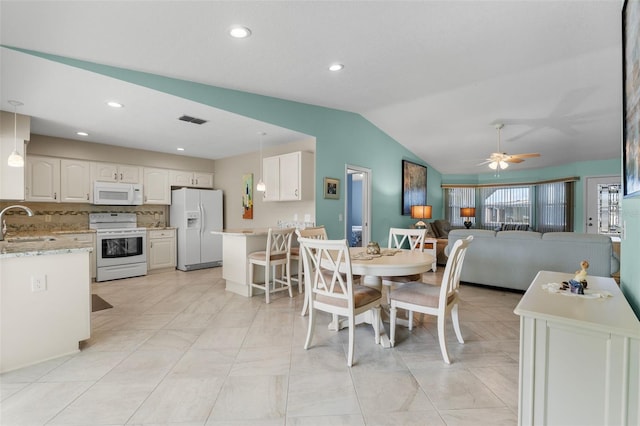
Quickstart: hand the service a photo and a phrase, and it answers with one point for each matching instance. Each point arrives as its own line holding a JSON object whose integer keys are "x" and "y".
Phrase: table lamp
{"x": 467, "y": 213}
{"x": 421, "y": 212}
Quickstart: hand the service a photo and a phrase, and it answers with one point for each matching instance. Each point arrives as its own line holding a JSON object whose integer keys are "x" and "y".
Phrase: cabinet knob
{"x": 87, "y": 197}
{"x": 120, "y": 176}
{"x": 115, "y": 176}
{"x": 55, "y": 195}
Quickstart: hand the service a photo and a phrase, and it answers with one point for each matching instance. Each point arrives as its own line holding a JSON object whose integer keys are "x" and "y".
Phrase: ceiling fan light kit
{"x": 500, "y": 160}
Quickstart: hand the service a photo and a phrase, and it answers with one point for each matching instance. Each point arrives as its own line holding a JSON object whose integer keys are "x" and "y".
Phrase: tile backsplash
{"x": 75, "y": 217}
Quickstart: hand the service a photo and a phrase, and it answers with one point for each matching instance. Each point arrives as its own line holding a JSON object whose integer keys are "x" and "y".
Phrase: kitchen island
{"x": 236, "y": 246}
{"x": 45, "y": 299}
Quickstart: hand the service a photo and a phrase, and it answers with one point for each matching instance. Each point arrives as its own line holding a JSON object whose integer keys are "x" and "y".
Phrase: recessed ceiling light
{"x": 239, "y": 32}
{"x": 82, "y": 133}
{"x": 335, "y": 67}
{"x": 180, "y": 149}
{"x": 114, "y": 104}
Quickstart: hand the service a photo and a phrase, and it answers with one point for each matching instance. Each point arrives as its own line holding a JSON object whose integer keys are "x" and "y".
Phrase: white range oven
{"x": 120, "y": 246}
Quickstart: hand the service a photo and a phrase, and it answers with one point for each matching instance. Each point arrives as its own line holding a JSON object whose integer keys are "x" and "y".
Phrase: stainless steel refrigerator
{"x": 195, "y": 213}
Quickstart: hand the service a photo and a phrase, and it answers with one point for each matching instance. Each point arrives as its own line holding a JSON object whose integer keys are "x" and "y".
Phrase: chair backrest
{"x": 318, "y": 233}
{"x": 327, "y": 266}
{"x": 279, "y": 241}
{"x": 398, "y": 236}
{"x": 451, "y": 276}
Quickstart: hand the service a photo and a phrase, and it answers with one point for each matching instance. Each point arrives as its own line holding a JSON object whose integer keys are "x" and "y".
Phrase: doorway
{"x": 602, "y": 205}
{"x": 358, "y": 206}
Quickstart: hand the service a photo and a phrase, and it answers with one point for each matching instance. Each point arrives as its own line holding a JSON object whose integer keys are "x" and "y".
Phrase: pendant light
{"x": 261, "y": 187}
{"x": 15, "y": 159}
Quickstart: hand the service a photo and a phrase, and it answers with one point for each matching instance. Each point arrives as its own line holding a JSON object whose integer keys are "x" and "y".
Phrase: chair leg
{"x": 377, "y": 323}
{"x": 305, "y": 306}
{"x": 352, "y": 338}
{"x": 312, "y": 325}
{"x": 266, "y": 283}
{"x": 456, "y": 323}
{"x": 441, "y": 338}
{"x": 288, "y": 268}
{"x": 410, "y": 320}
{"x": 300, "y": 278}
{"x": 392, "y": 325}
{"x": 250, "y": 279}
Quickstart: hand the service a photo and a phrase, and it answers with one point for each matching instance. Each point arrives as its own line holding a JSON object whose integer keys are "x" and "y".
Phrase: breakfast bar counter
{"x": 236, "y": 246}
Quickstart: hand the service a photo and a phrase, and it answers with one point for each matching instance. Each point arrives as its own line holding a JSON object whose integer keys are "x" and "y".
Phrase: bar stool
{"x": 277, "y": 253}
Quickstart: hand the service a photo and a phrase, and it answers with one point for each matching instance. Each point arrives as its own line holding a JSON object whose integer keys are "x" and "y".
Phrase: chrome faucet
{"x": 4, "y": 223}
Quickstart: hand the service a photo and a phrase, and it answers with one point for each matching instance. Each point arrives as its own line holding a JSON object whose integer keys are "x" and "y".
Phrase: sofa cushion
{"x": 441, "y": 228}
{"x": 430, "y": 232}
{"x": 519, "y": 235}
{"x": 514, "y": 227}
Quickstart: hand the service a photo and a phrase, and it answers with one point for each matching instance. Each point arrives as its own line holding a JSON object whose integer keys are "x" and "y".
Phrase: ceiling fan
{"x": 500, "y": 160}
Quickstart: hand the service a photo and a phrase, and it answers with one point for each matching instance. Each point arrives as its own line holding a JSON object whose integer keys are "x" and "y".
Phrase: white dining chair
{"x": 277, "y": 253}
{"x": 433, "y": 300}
{"x": 400, "y": 238}
{"x": 328, "y": 275}
{"x": 318, "y": 233}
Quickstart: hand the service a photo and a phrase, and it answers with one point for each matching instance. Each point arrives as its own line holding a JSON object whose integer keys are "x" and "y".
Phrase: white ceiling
{"x": 434, "y": 75}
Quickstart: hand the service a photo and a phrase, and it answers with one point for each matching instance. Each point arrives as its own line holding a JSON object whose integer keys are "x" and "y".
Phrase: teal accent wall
{"x": 582, "y": 170}
{"x": 630, "y": 253}
{"x": 341, "y": 138}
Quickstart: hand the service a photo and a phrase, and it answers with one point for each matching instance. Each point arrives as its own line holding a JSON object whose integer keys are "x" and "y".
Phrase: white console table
{"x": 579, "y": 357}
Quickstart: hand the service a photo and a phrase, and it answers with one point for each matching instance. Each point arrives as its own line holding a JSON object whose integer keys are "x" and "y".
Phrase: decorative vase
{"x": 373, "y": 248}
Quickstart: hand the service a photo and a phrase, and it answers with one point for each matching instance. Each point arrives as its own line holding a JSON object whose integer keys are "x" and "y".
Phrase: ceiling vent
{"x": 193, "y": 120}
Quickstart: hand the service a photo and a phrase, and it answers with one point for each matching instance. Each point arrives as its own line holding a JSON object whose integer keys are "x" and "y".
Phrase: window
{"x": 609, "y": 209}
{"x": 554, "y": 203}
{"x": 508, "y": 205}
{"x": 454, "y": 199}
{"x": 545, "y": 207}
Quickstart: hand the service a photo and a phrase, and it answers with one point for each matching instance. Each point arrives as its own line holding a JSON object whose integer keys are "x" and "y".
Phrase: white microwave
{"x": 117, "y": 194}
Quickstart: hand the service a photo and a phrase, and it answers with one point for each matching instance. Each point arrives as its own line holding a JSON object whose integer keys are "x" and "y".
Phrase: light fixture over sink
{"x": 261, "y": 187}
{"x": 15, "y": 159}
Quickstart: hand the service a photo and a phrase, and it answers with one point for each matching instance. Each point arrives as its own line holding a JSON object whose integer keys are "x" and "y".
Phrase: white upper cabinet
{"x": 156, "y": 186}
{"x": 271, "y": 178}
{"x": 289, "y": 177}
{"x": 190, "y": 179}
{"x": 75, "y": 181}
{"x": 43, "y": 179}
{"x": 107, "y": 172}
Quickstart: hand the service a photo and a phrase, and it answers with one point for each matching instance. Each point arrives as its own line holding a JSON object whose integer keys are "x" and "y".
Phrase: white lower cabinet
{"x": 578, "y": 356}
{"x": 161, "y": 247}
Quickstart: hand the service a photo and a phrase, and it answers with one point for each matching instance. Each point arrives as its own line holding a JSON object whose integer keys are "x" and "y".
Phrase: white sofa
{"x": 511, "y": 259}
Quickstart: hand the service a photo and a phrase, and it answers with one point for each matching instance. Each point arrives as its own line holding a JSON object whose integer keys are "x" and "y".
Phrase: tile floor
{"x": 178, "y": 349}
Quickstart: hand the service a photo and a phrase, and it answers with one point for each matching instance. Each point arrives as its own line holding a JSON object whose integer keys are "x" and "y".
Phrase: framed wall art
{"x": 331, "y": 188}
{"x": 247, "y": 196}
{"x": 631, "y": 97}
{"x": 414, "y": 186}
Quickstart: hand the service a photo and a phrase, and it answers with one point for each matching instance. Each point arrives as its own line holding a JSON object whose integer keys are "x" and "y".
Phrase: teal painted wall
{"x": 341, "y": 138}
{"x": 581, "y": 169}
{"x": 630, "y": 253}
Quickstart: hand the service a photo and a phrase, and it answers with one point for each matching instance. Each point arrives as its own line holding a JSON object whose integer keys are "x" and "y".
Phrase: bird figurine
{"x": 581, "y": 275}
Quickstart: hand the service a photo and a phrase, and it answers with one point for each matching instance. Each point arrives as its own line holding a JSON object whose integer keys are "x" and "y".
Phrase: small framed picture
{"x": 332, "y": 188}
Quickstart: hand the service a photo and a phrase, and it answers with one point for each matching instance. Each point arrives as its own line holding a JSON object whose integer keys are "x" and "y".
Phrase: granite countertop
{"x": 30, "y": 245}
{"x": 243, "y": 232}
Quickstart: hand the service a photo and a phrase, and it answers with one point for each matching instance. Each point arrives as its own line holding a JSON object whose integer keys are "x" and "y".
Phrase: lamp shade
{"x": 467, "y": 211}
{"x": 421, "y": 212}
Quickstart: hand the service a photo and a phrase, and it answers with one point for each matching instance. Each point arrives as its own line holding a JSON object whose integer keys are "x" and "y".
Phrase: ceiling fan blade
{"x": 511, "y": 159}
{"x": 529, "y": 155}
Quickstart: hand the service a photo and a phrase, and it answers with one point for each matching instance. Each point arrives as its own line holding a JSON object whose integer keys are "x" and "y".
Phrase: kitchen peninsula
{"x": 236, "y": 246}
{"x": 45, "y": 299}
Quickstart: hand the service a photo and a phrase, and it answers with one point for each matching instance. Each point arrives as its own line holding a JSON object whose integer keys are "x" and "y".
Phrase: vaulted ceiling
{"x": 434, "y": 75}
